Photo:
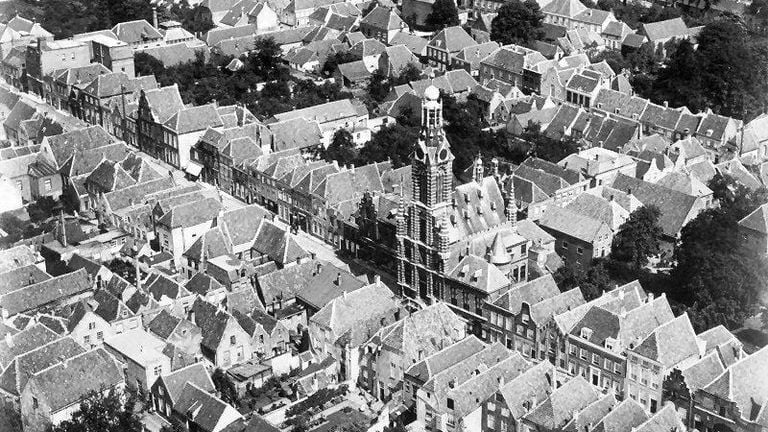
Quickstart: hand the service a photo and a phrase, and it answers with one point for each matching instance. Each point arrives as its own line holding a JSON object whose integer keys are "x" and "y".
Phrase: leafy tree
{"x": 394, "y": 142}
{"x": 592, "y": 281}
{"x": 547, "y": 148}
{"x": 638, "y": 237}
{"x": 342, "y": 148}
{"x": 225, "y": 387}
{"x": 333, "y": 61}
{"x": 518, "y": 22}
{"x": 407, "y": 74}
{"x": 444, "y": 14}
{"x": 10, "y": 418}
{"x": 42, "y": 209}
{"x": 378, "y": 87}
{"x": 103, "y": 413}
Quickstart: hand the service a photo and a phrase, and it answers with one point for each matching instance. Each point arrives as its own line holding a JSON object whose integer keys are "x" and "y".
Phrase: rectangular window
{"x": 595, "y": 359}
{"x": 100, "y": 336}
{"x": 47, "y": 184}
{"x": 583, "y": 354}
{"x": 158, "y": 370}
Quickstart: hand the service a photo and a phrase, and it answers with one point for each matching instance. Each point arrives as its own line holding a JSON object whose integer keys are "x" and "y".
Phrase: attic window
{"x": 493, "y": 206}
{"x": 464, "y": 270}
{"x": 476, "y": 275}
{"x": 232, "y": 340}
{"x": 709, "y": 132}
{"x": 479, "y": 210}
{"x": 618, "y": 110}
{"x": 610, "y": 343}
{"x": 586, "y": 333}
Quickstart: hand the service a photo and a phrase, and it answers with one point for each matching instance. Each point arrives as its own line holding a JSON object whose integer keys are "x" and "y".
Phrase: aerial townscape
{"x": 384, "y": 216}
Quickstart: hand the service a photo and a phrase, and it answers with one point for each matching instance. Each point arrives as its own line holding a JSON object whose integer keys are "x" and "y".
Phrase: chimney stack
{"x": 338, "y": 279}
{"x": 154, "y": 16}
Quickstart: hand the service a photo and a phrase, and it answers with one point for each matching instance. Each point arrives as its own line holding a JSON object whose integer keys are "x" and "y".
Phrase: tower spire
{"x": 511, "y": 208}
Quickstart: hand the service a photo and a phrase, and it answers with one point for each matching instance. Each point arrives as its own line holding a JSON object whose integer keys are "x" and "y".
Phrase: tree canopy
{"x": 444, "y": 14}
{"x": 341, "y": 149}
{"x": 719, "y": 74}
{"x": 518, "y": 22}
{"x": 638, "y": 237}
{"x": 100, "y": 412}
{"x": 714, "y": 274}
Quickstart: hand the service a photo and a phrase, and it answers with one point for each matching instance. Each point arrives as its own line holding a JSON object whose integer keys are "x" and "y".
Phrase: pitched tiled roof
{"x": 343, "y": 314}
{"x": 383, "y": 18}
{"x": 163, "y": 324}
{"x": 676, "y": 207}
{"x": 666, "y": 29}
{"x": 212, "y": 321}
{"x": 479, "y": 273}
{"x": 414, "y": 43}
{"x": 531, "y": 292}
{"x": 159, "y": 285}
{"x": 558, "y": 409}
{"x": 445, "y": 358}
{"x": 535, "y": 383}
{"x": 191, "y": 214}
{"x": 175, "y": 381}
{"x": 573, "y": 224}
{"x": 703, "y": 372}
{"x": 546, "y": 309}
{"x": 623, "y": 418}
{"x": 16, "y": 375}
{"x": 671, "y": 343}
{"x": 204, "y": 409}
{"x": 452, "y": 39}
{"x": 202, "y": 284}
{"x": 45, "y": 292}
{"x": 21, "y": 276}
{"x": 591, "y": 414}
{"x": 134, "y": 32}
{"x": 565, "y": 8}
{"x": 66, "y": 383}
{"x": 65, "y": 145}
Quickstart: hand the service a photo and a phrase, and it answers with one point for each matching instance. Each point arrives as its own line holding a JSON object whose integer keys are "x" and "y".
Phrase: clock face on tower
{"x": 419, "y": 154}
{"x": 443, "y": 155}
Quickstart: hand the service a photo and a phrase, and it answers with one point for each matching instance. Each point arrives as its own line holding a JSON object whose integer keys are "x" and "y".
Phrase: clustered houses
{"x": 473, "y": 334}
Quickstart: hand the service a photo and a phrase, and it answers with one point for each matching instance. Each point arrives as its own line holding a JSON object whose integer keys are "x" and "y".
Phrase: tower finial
{"x": 511, "y": 208}
{"x": 478, "y": 172}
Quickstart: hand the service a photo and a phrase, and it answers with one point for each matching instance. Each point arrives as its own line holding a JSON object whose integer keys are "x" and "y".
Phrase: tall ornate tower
{"x": 423, "y": 235}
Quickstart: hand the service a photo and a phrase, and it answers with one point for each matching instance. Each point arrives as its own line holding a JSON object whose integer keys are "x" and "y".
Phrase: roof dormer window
{"x": 586, "y": 333}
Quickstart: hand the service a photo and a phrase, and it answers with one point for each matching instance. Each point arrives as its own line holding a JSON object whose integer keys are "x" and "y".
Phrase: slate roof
{"x": 599, "y": 208}
{"x": 277, "y": 243}
{"x": 65, "y": 383}
{"x": 664, "y": 420}
{"x": 65, "y": 145}
{"x": 45, "y": 292}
